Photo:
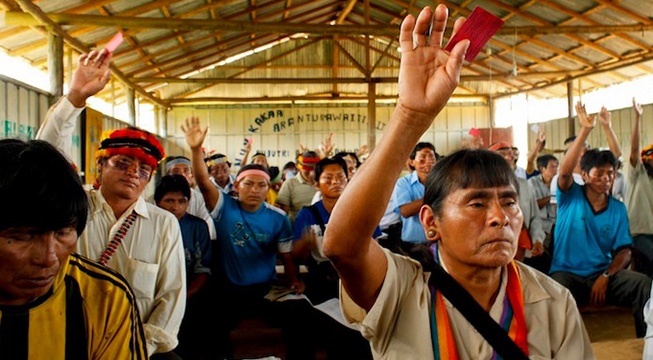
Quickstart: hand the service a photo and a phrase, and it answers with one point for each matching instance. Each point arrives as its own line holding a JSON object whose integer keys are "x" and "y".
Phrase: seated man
{"x": 172, "y": 194}
{"x": 592, "y": 237}
{"x": 547, "y": 167}
{"x": 408, "y": 194}
{"x": 299, "y": 191}
{"x": 220, "y": 171}
{"x": 124, "y": 232}
{"x": 471, "y": 219}
{"x": 531, "y": 237}
{"x": 180, "y": 165}
{"x": 54, "y": 304}
{"x": 250, "y": 235}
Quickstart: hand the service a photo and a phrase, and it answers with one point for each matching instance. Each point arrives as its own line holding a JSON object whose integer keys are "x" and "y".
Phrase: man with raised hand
{"x": 471, "y": 219}
{"x": 592, "y": 249}
{"x": 124, "y": 232}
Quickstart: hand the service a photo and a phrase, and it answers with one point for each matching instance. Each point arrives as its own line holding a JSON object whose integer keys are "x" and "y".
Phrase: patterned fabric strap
{"x": 513, "y": 320}
{"x": 117, "y": 239}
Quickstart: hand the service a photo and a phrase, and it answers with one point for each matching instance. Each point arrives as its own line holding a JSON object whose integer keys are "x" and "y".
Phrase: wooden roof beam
{"x": 205, "y": 100}
{"x": 36, "y": 12}
{"x": 262, "y": 63}
{"x": 14, "y": 18}
{"x": 378, "y": 80}
{"x": 586, "y": 73}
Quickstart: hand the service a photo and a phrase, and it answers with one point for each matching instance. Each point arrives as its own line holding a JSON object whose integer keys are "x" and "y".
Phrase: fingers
{"x": 420, "y": 32}
{"x": 438, "y": 25}
{"x": 406, "y": 34}
{"x": 457, "y": 25}
{"x": 456, "y": 58}
{"x": 95, "y": 58}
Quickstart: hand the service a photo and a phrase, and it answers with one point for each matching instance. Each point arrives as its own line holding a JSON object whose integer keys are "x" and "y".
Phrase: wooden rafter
{"x": 35, "y": 11}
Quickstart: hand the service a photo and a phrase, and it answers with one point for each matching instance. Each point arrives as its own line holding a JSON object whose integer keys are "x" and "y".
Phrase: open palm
{"x": 193, "y": 132}
{"x": 428, "y": 74}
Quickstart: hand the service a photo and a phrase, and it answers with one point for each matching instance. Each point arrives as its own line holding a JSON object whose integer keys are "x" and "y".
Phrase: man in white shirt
{"x": 137, "y": 239}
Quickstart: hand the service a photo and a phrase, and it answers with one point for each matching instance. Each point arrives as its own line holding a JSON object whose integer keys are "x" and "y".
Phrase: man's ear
{"x": 585, "y": 176}
{"x": 429, "y": 220}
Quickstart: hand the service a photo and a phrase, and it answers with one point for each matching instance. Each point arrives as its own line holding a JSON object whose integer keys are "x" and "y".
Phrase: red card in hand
{"x": 478, "y": 29}
{"x": 115, "y": 41}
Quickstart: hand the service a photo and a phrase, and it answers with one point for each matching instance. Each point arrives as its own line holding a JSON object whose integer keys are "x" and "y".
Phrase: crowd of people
{"x": 464, "y": 255}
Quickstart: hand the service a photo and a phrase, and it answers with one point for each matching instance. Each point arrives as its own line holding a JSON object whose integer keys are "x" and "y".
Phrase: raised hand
{"x": 91, "y": 75}
{"x": 193, "y": 132}
{"x": 327, "y": 146}
{"x": 428, "y": 74}
{"x": 585, "y": 120}
{"x": 541, "y": 140}
{"x": 638, "y": 109}
{"x": 605, "y": 117}
{"x": 362, "y": 150}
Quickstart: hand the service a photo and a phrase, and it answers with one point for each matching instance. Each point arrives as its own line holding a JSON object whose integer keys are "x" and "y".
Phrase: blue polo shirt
{"x": 409, "y": 189}
{"x": 585, "y": 239}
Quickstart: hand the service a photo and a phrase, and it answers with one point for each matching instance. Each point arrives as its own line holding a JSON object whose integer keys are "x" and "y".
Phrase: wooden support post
{"x": 131, "y": 106}
{"x": 371, "y": 116}
{"x": 55, "y": 66}
{"x": 571, "y": 130}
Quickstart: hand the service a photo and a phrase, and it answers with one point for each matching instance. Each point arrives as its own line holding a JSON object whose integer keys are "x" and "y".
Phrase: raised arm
{"x": 428, "y": 75}
{"x": 248, "y": 149}
{"x": 91, "y": 75}
{"x": 195, "y": 136}
{"x": 605, "y": 119}
{"x": 565, "y": 177}
{"x": 532, "y": 155}
{"x": 634, "y": 139}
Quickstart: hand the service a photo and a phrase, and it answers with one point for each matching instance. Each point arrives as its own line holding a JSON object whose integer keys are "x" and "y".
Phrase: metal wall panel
{"x": 22, "y": 108}
{"x": 622, "y": 124}
{"x": 277, "y": 130}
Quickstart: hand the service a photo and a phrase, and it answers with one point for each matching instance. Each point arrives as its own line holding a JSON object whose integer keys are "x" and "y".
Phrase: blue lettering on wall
{"x": 280, "y": 125}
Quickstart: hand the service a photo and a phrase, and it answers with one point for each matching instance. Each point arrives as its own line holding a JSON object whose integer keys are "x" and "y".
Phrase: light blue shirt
{"x": 585, "y": 239}
{"x": 409, "y": 189}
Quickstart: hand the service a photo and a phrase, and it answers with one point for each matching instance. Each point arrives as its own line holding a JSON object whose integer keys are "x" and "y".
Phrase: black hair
{"x": 274, "y": 172}
{"x": 420, "y": 146}
{"x": 597, "y": 158}
{"x": 319, "y": 167}
{"x": 39, "y": 188}
{"x": 254, "y": 167}
{"x": 570, "y": 139}
{"x": 171, "y": 183}
{"x": 543, "y": 160}
{"x": 464, "y": 169}
{"x": 289, "y": 165}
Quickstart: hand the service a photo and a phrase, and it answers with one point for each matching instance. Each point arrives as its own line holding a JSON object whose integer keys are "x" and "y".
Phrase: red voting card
{"x": 478, "y": 29}
{"x": 474, "y": 132}
{"x": 115, "y": 41}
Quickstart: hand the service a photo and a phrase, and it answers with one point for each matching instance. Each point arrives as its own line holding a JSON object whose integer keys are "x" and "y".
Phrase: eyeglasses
{"x": 124, "y": 163}
{"x": 329, "y": 179}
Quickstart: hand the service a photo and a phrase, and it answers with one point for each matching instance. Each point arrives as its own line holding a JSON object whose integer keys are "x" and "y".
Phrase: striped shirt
{"x": 89, "y": 313}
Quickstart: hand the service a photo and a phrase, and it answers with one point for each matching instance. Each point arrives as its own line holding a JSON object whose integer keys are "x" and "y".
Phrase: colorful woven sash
{"x": 117, "y": 239}
{"x": 512, "y": 318}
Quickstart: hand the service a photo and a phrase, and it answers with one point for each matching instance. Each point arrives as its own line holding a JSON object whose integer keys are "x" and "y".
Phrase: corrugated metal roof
{"x": 600, "y": 54}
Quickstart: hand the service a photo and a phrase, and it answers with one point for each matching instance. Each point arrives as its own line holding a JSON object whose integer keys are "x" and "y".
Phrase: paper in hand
{"x": 474, "y": 132}
{"x": 478, "y": 29}
{"x": 115, "y": 41}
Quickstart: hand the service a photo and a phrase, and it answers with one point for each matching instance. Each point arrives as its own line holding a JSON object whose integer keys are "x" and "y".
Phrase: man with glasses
{"x": 124, "y": 232}
{"x": 592, "y": 239}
